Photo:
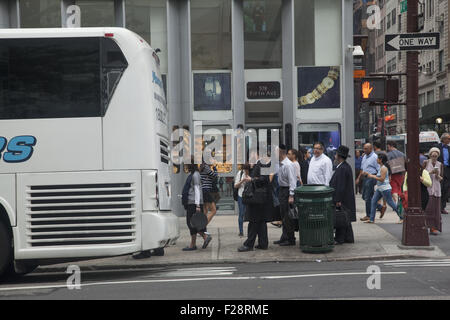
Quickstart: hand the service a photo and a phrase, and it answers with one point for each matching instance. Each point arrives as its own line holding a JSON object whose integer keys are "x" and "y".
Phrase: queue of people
{"x": 276, "y": 195}
{"x": 380, "y": 177}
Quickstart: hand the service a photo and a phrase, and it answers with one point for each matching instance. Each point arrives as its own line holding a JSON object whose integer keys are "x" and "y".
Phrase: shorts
{"x": 397, "y": 183}
{"x": 207, "y": 197}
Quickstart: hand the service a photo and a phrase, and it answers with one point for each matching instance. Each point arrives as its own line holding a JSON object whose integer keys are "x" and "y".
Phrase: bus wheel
{"x": 158, "y": 252}
{"x": 6, "y": 252}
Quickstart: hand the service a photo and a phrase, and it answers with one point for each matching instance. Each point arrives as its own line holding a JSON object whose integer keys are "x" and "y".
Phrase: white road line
{"x": 420, "y": 265}
{"x": 198, "y": 279}
{"x": 415, "y": 260}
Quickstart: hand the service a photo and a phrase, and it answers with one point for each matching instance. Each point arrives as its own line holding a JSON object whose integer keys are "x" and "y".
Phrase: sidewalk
{"x": 371, "y": 242}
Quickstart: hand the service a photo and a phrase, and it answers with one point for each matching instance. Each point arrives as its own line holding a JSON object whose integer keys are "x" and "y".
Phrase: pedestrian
{"x": 287, "y": 180}
{"x": 433, "y": 210}
{"x": 343, "y": 195}
{"x": 383, "y": 188}
{"x": 396, "y": 160}
{"x": 258, "y": 214}
{"x": 358, "y": 160}
{"x": 242, "y": 177}
{"x": 422, "y": 156}
{"x": 320, "y": 167}
{"x": 369, "y": 164}
{"x": 293, "y": 156}
{"x": 425, "y": 183}
{"x": 208, "y": 178}
{"x": 195, "y": 205}
{"x": 444, "y": 158}
{"x": 304, "y": 164}
{"x": 377, "y": 147}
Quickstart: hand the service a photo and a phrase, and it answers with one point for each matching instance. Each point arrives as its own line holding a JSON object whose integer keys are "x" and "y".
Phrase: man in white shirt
{"x": 320, "y": 168}
{"x": 287, "y": 180}
{"x": 293, "y": 156}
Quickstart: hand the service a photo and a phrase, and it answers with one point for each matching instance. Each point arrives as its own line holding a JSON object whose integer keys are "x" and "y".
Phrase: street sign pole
{"x": 415, "y": 232}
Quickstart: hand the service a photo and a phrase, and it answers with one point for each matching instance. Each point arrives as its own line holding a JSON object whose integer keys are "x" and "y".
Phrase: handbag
{"x": 397, "y": 165}
{"x": 293, "y": 212}
{"x": 340, "y": 218}
{"x": 199, "y": 221}
{"x": 293, "y": 215}
{"x": 254, "y": 195}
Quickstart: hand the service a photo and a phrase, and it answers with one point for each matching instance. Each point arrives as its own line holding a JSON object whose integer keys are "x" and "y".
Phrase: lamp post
{"x": 415, "y": 232}
{"x": 439, "y": 122}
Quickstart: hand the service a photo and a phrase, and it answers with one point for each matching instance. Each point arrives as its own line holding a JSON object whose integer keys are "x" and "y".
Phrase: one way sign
{"x": 411, "y": 41}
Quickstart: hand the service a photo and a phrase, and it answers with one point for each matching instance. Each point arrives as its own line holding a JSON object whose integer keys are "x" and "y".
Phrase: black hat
{"x": 343, "y": 152}
{"x": 282, "y": 147}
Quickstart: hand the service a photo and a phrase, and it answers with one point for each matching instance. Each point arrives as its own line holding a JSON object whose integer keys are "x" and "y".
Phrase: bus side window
{"x": 113, "y": 66}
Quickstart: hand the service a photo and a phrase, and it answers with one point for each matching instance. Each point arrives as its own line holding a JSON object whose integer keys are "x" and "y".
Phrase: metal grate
{"x": 61, "y": 215}
{"x": 164, "y": 149}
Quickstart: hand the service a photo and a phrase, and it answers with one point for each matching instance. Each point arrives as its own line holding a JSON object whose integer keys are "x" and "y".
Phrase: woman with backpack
{"x": 242, "y": 177}
{"x": 192, "y": 199}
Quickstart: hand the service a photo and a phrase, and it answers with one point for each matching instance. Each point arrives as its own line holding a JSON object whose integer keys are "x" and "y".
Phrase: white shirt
{"x": 287, "y": 176}
{"x": 320, "y": 170}
{"x": 297, "y": 170}
{"x": 239, "y": 179}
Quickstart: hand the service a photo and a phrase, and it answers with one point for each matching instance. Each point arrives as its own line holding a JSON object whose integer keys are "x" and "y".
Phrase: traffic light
{"x": 373, "y": 89}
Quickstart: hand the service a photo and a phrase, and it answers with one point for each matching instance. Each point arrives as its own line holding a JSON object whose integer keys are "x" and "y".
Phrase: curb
{"x": 226, "y": 261}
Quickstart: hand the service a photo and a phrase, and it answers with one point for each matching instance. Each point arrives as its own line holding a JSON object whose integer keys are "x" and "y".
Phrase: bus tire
{"x": 159, "y": 252}
{"x": 6, "y": 251}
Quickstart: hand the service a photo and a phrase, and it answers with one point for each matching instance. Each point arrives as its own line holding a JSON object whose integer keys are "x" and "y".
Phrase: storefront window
{"x": 98, "y": 13}
{"x": 40, "y": 13}
{"x": 262, "y": 34}
{"x": 211, "y": 34}
{"x": 148, "y": 18}
{"x": 327, "y": 133}
{"x": 318, "y": 32}
{"x": 218, "y": 149}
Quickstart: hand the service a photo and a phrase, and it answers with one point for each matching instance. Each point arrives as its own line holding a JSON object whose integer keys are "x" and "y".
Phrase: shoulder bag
{"x": 341, "y": 217}
{"x": 254, "y": 195}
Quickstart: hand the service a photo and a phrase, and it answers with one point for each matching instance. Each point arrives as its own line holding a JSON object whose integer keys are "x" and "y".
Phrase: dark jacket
{"x": 304, "y": 166}
{"x": 342, "y": 183}
{"x": 263, "y": 211}
{"x": 441, "y": 147}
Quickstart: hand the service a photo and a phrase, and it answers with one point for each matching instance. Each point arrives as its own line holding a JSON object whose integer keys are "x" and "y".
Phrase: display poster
{"x": 212, "y": 91}
{"x": 318, "y": 87}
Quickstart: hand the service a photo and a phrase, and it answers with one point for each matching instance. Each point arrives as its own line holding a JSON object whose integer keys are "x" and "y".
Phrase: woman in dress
{"x": 433, "y": 210}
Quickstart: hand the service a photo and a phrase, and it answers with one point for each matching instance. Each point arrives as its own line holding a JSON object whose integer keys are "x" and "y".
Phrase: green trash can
{"x": 315, "y": 211}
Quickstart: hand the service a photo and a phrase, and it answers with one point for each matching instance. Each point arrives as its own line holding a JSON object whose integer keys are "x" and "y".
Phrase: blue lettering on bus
{"x": 157, "y": 80}
{"x": 19, "y": 149}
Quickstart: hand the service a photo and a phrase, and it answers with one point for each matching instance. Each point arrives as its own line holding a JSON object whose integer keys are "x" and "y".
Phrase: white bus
{"x": 84, "y": 139}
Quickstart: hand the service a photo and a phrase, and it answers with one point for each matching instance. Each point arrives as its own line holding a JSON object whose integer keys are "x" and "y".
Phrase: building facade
{"x": 434, "y": 72}
{"x": 251, "y": 64}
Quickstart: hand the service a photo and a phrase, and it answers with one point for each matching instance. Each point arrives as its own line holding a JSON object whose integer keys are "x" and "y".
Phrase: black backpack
{"x": 185, "y": 193}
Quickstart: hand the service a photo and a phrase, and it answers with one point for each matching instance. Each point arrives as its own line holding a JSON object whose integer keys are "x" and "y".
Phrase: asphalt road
{"x": 402, "y": 279}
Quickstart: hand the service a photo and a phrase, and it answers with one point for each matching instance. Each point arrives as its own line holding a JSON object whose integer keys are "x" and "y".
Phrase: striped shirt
{"x": 208, "y": 176}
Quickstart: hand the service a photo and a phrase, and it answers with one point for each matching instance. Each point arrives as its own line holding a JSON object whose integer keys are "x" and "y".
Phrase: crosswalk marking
{"x": 416, "y": 263}
{"x": 195, "y": 272}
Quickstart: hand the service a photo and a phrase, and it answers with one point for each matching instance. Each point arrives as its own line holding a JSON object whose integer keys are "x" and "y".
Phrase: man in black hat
{"x": 344, "y": 194}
